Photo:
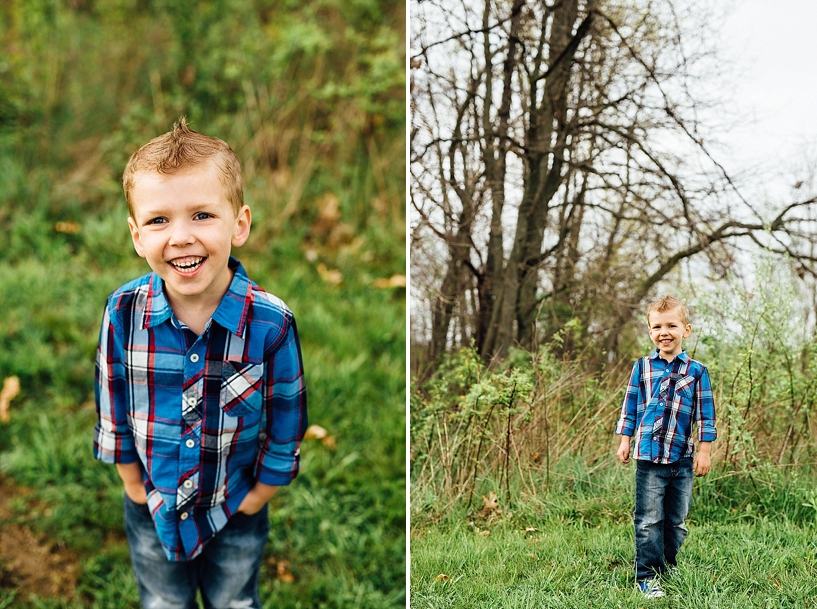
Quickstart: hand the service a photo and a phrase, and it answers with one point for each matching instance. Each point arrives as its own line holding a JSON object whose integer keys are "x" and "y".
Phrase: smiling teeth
{"x": 188, "y": 264}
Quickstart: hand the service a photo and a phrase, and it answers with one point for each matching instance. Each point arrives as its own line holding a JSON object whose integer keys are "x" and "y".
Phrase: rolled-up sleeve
{"x": 626, "y": 420}
{"x": 704, "y": 408}
{"x": 285, "y": 406}
{"x": 113, "y": 439}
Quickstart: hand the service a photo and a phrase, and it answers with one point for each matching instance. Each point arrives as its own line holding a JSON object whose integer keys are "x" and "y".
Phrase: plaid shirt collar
{"x": 231, "y": 313}
{"x": 683, "y": 357}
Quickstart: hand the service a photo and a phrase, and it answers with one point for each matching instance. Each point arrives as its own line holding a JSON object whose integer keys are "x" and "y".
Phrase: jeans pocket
{"x": 246, "y": 522}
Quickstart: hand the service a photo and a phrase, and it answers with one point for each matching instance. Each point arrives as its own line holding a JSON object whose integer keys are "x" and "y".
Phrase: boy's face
{"x": 668, "y": 332}
{"x": 185, "y": 227}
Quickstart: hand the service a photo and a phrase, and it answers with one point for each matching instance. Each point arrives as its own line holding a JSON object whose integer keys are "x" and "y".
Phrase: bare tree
{"x": 560, "y": 169}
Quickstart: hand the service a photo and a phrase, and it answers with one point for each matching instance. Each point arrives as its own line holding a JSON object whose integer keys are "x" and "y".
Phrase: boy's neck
{"x": 195, "y": 319}
{"x": 669, "y": 358}
{"x": 196, "y": 311}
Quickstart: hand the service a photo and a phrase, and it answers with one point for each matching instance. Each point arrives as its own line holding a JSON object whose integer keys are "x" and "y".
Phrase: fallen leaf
{"x": 283, "y": 572}
{"x": 441, "y": 577}
{"x": 491, "y": 502}
{"x": 69, "y": 228}
{"x": 485, "y": 533}
{"x": 533, "y": 557}
{"x": 329, "y": 208}
{"x": 11, "y": 387}
{"x": 315, "y": 432}
{"x": 395, "y": 281}
{"x": 332, "y": 276}
{"x": 530, "y": 529}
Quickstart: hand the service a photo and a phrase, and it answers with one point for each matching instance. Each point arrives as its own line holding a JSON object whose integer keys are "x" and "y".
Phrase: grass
{"x": 339, "y": 526}
{"x": 311, "y": 97}
{"x": 572, "y": 545}
{"x": 763, "y": 564}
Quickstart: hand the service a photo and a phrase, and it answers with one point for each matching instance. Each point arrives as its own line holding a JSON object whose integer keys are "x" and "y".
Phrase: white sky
{"x": 775, "y": 46}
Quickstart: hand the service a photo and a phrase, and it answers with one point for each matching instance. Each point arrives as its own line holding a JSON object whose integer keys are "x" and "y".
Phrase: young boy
{"x": 668, "y": 392}
{"x": 199, "y": 381}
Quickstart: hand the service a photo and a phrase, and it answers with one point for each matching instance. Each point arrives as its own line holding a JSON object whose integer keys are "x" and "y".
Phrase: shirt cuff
{"x": 112, "y": 448}
{"x": 275, "y": 470}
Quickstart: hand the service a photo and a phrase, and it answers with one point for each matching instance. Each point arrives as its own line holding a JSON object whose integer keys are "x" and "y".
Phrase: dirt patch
{"x": 29, "y": 563}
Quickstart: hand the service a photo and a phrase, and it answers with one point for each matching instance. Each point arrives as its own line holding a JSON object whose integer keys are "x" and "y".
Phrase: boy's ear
{"x": 134, "y": 235}
{"x": 243, "y": 221}
{"x": 687, "y": 331}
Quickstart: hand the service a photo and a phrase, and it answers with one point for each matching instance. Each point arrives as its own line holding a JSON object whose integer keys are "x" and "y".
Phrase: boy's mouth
{"x": 187, "y": 264}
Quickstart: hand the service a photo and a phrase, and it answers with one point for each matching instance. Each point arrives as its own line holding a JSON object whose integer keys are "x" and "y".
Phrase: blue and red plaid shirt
{"x": 207, "y": 416}
{"x": 662, "y": 402}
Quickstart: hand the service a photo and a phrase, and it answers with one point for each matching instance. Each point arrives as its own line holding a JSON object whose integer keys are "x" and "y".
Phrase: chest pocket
{"x": 684, "y": 389}
{"x": 241, "y": 388}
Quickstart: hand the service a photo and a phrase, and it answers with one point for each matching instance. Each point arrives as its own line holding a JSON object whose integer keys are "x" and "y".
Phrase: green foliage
{"x": 473, "y": 428}
{"x": 755, "y": 343}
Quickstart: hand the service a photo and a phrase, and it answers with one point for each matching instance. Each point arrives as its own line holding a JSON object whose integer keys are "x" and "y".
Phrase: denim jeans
{"x": 226, "y": 571}
{"x": 662, "y": 495}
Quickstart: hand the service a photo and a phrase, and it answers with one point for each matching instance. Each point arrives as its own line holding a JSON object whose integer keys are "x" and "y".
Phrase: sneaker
{"x": 650, "y": 588}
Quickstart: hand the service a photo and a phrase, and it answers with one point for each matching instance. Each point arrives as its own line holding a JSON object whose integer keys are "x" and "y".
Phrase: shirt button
{"x": 184, "y": 516}
{"x": 190, "y": 443}
{"x": 191, "y": 401}
{"x": 188, "y": 484}
{"x": 194, "y": 358}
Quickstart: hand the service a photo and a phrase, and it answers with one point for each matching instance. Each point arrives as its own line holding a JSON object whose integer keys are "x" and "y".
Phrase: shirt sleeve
{"x": 113, "y": 439}
{"x": 704, "y": 408}
{"x": 285, "y": 406}
{"x": 626, "y": 421}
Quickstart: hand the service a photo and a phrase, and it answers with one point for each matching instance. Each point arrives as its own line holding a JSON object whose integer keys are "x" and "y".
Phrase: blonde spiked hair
{"x": 668, "y": 303}
{"x": 180, "y": 149}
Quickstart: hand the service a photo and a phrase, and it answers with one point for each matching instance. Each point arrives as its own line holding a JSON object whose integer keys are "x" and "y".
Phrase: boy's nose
{"x": 181, "y": 235}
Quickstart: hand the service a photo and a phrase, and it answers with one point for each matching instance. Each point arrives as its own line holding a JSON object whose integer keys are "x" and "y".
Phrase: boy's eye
{"x": 202, "y": 216}
{"x": 156, "y": 221}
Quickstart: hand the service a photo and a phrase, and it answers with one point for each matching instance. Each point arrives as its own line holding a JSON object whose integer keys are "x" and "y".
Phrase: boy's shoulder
{"x": 128, "y": 293}
{"x": 267, "y": 303}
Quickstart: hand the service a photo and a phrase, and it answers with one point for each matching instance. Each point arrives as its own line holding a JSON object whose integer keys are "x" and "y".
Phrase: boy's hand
{"x": 131, "y": 475}
{"x": 623, "y": 452}
{"x": 137, "y": 493}
{"x": 258, "y": 496}
{"x": 702, "y": 462}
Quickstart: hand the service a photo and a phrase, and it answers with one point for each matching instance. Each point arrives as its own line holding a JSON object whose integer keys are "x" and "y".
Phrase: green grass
{"x": 340, "y": 525}
{"x": 560, "y": 565}
{"x": 752, "y": 543}
{"x": 311, "y": 97}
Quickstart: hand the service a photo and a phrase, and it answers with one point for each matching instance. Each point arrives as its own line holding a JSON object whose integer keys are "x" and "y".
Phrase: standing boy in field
{"x": 668, "y": 392}
{"x": 199, "y": 381}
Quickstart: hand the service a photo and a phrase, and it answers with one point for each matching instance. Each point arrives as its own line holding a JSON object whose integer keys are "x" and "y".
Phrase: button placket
{"x": 189, "y": 447}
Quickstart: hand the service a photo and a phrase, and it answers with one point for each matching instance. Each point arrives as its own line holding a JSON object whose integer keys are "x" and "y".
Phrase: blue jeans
{"x": 662, "y": 495}
{"x": 226, "y": 571}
